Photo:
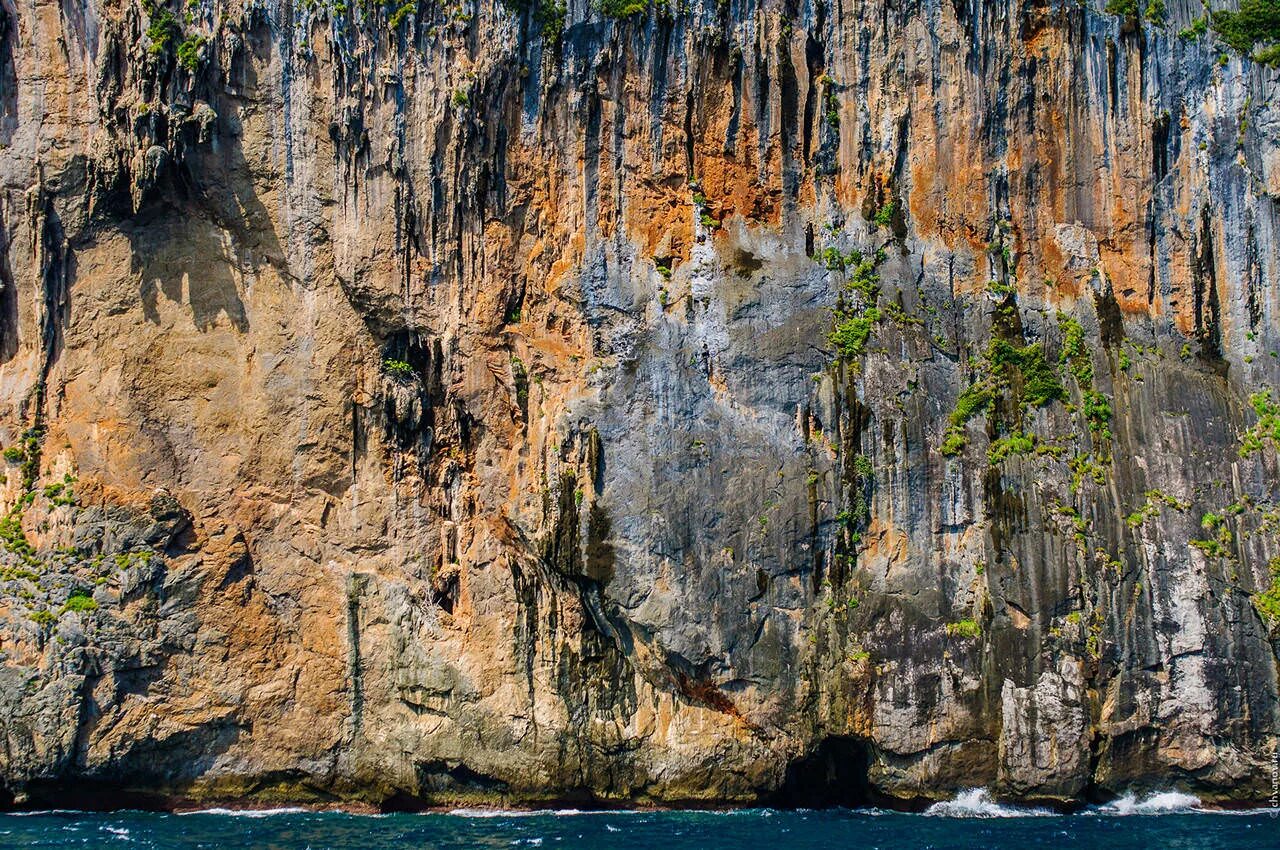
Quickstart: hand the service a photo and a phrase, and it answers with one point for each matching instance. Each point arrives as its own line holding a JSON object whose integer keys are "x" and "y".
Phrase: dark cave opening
{"x": 833, "y": 774}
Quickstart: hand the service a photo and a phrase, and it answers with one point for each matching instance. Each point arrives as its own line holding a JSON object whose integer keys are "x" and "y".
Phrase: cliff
{"x": 637, "y": 403}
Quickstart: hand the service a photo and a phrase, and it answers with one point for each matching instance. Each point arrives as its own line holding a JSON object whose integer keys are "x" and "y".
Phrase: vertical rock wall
{"x": 724, "y": 402}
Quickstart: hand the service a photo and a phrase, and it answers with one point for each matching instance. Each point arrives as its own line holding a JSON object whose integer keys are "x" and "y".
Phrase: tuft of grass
{"x": 972, "y": 401}
{"x": 1007, "y": 446}
{"x": 953, "y": 442}
{"x": 80, "y": 601}
{"x": 965, "y": 628}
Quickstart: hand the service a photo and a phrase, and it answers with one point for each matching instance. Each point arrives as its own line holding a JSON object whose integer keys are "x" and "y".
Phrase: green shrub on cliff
{"x": 1040, "y": 385}
{"x": 1268, "y": 601}
{"x": 1255, "y": 24}
{"x": 623, "y": 8}
{"x": 974, "y": 400}
{"x": 852, "y": 332}
{"x": 1198, "y": 27}
{"x": 189, "y": 52}
{"x": 162, "y": 29}
{"x": 1009, "y": 445}
{"x": 80, "y": 601}
{"x": 971, "y": 402}
{"x": 1122, "y": 8}
{"x": 550, "y": 17}
{"x": 964, "y": 628}
{"x": 398, "y": 369}
{"x": 403, "y": 11}
{"x": 1267, "y": 428}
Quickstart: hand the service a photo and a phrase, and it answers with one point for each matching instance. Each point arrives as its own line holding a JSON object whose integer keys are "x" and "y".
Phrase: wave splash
{"x": 1157, "y": 803}
{"x": 978, "y": 803}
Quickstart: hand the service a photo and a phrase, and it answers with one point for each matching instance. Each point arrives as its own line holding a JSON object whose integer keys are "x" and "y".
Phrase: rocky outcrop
{"x": 636, "y": 403}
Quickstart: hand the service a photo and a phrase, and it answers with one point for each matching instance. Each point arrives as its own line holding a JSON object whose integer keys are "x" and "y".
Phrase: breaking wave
{"x": 1156, "y": 803}
{"x": 978, "y": 803}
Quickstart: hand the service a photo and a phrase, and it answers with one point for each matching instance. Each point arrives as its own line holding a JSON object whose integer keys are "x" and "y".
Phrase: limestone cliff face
{"x": 726, "y": 402}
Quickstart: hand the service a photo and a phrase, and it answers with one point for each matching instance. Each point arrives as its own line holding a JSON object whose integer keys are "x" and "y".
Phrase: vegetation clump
{"x": 1268, "y": 601}
{"x": 1040, "y": 384}
{"x": 550, "y": 18}
{"x": 1075, "y": 356}
{"x": 1151, "y": 507}
{"x": 1219, "y": 545}
{"x": 403, "y": 11}
{"x": 162, "y": 29}
{"x": 398, "y": 369}
{"x": 1005, "y": 366}
{"x": 623, "y": 8}
{"x": 854, "y": 324}
{"x": 852, "y": 331}
{"x": 966, "y": 628}
{"x": 884, "y": 215}
{"x": 1267, "y": 428}
{"x": 548, "y": 15}
{"x": 189, "y": 52}
{"x": 1198, "y": 28}
{"x": 1256, "y": 24}
{"x": 1016, "y": 443}
{"x": 80, "y": 601}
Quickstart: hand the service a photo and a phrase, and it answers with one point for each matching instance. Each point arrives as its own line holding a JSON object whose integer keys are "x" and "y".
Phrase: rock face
{"x": 721, "y": 402}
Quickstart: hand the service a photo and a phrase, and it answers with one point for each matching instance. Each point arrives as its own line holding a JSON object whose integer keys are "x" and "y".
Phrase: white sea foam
{"x": 490, "y": 813}
{"x": 1157, "y": 803}
{"x": 39, "y": 812}
{"x": 250, "y": 813}
{"x": 977, "y": 803}
{"x": 118, "y": 832}
{"x": 533, "y": 813}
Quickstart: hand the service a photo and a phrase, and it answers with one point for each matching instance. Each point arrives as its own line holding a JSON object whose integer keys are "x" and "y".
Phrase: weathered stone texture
{"x": 447, "y": 411}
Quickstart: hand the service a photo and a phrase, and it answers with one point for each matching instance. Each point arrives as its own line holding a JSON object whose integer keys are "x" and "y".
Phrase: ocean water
{"x": 971, "y": 822}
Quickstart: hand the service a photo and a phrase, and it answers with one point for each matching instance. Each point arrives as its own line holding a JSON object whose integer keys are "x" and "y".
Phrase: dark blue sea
{"x": 972, "y": 822}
